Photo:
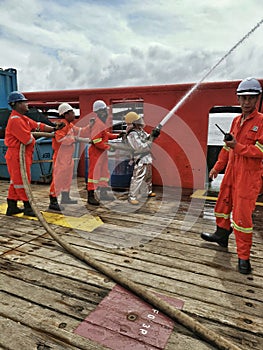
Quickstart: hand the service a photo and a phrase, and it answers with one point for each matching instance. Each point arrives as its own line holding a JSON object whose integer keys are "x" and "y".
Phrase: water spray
{"x": 189, "y": 93}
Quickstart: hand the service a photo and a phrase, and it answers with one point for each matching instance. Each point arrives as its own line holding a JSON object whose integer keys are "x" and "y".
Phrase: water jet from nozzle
{"x": 190, "y": 92}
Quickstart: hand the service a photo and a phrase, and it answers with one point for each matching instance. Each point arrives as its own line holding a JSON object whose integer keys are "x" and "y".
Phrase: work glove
{"x": 121, "y": 134}
{"x": 155, "y": 133}
{"x": 59, "y": 126}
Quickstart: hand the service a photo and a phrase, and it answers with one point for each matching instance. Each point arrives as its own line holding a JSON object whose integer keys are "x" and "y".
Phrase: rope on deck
{"x": 163, "y": 306}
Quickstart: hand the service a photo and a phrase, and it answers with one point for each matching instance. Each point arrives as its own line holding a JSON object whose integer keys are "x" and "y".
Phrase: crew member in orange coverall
{"x": 98, "y": 174}
{"x": 63, "y": 145}
{"x": 242, "y": 180}
{"x": 18, "y": 131}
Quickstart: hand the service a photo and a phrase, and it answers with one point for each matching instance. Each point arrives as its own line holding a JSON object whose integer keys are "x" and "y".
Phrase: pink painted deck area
{"x": 123, "y": 321}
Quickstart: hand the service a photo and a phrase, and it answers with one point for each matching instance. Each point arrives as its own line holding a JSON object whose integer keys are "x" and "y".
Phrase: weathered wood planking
{"x": 38, "y": 278}
{"x": 18, "y": 336}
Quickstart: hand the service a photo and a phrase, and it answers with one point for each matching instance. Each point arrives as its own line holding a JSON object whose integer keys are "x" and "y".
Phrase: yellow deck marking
{"x": 86, "y": 222}
{"x": 200, "y": 194}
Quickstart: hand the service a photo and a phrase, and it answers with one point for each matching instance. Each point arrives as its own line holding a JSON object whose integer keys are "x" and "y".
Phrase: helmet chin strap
{"x": 260, "y": 102}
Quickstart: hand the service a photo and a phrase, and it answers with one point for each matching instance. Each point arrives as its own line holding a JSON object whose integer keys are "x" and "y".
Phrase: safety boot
{"x": 12, "y": 208}
{"x": 244, "y": 266}
{"x": 104, "y": 194}
{"x": 65, "y": 199}
{"x": 28, "y": 211}
{"x": 91, "y": 198}
{"x": 220, "y": 236}
{"x": 53, "y": 204}
{"x": 133, "y": 201}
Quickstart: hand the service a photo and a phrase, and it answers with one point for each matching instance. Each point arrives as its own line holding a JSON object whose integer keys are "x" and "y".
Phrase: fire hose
{"x": 175, "y": 314}
{"x": 118, "y": 277}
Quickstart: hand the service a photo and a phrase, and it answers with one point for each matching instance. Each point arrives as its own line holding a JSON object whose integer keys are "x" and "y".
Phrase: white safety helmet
{"x": 249, "y": 86}
{"x": 99, "y": 104}
{"x": 64, "y": 108}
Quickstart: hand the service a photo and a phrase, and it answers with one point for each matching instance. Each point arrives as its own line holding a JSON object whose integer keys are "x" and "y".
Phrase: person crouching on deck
{"x": 18, "y": 131}
{"x": 140, "y": 142}
{"x": 63, "y": 145}
{"x": 242, "y": 181}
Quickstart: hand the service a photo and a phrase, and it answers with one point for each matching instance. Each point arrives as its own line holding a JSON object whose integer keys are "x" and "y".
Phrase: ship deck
{"x": 46, "y": 293}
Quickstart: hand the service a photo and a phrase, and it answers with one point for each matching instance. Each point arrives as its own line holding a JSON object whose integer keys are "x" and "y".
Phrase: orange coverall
{"x": 98, "y": 174}
{"x": 18, "y": 131}
{"x": 63, "y": 145}
{"x": 242, "y": 180}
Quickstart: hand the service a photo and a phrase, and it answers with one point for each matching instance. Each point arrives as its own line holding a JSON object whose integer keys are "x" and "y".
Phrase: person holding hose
{"x": 140, "y": 143}
{"x": 242, "y": 155}
{"x": 98, "y": 173}
{"x": 18, "y": 131}
{"x": 63, "y": 145}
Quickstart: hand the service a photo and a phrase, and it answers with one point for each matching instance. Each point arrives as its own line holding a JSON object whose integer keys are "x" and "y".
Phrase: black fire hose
{"x": 118, "y": 277}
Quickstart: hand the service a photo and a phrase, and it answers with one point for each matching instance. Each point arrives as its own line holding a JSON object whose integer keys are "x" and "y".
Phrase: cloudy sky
{"x": 72, "y": 44}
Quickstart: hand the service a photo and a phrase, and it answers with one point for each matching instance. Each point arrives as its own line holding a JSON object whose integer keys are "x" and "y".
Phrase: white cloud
{"x": 80, "y": 44}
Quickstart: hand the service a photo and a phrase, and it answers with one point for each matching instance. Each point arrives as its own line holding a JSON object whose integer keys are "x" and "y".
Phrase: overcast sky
{"x": 74, "y": 44}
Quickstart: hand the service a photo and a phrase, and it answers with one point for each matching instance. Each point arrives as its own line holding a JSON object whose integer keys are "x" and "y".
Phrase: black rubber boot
{"x": 12, "y": 208}
{"x": 65, "y": 199}
{"x": 220, "y": 236}
{"x": 244, "y": 266}
{"x": 28, "y": 211}
{"x": 53, "y": 204}
{"x": 91, "y": 198}
{"x": 104, "y": 194}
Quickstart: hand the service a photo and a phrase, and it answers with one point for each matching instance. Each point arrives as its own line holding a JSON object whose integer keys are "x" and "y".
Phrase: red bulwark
{"x": 123, "y": 321}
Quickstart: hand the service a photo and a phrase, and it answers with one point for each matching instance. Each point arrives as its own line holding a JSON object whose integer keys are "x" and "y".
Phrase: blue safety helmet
{"x": 15, "y": 96}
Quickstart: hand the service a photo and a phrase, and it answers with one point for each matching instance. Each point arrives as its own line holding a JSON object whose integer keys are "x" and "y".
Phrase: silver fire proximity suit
{"x": 141, "y": 182}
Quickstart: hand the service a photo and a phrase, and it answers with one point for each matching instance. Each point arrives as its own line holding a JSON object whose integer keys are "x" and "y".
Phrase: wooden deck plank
{"x": 168, "y": 258}
{"x": 44, "y": 320}
{"x": 18, "y": 336}
{"x": 151, "y": 247}
{"x": 226, "y": 302}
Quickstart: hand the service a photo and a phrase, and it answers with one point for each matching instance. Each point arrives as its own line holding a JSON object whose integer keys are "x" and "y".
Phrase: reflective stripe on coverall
{"x": 98, "y": 173}
{"x": 242, "y": 180}
{"x": 18, "y": 131}
{"x": 63, "y": 145}
{"x": 141, "y": 181}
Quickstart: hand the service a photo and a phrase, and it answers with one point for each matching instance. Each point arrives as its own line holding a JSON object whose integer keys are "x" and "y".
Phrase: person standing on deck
{"x": 242, "y": 181}
{"x": 98, "y": 173}
{"x": 140, "y": 142}
{"x": 18, "y": 131}
{"x": 63, "y": 145}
